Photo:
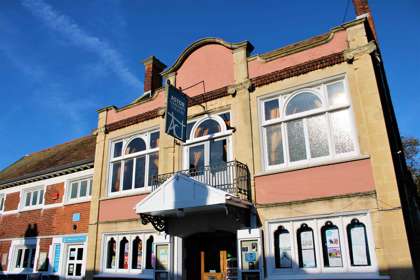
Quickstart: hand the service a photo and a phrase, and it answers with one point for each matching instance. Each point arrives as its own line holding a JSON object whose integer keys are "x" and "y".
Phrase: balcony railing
{"x": 231, "y": 177}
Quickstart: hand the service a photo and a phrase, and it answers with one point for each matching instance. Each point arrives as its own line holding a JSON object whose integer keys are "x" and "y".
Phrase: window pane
{"x": 19, "y": 258}
{"x": 274, "y": 144}
{"x": 341, "y": 131}
{"x": 1, "y": 202}
{"x": 73, "y": 193}
{"x": 271, "y": 109}
{"x": 153, "y": 167}
{"x": 83, "y": 188}
{"x": 226, "y": 119}
{"x": 32, "y": 256}
{"x": 196, "y": 158}
{"x": 296, "y": 139}
{"x": 90, "y": 186}
{"x": 306, "y": 247}
{"x": 336, "y": 94}
{"x": 26, "y": 258}
{"x": 303, "y": 102}
{"x": 34, "y": 198}
{"x": 154, "y": 140}
{"x": 116, "y": 173}
{"x": 78, "y": 269}
{"x": 123, "y": 254}
{"x": 128, "y": 174}
{"x": 110, "y": 261}
{"x": 149, "y": 252}
{"x": 207, "y": 127}
{"x": 140, "y": 166}
{"x": 283, "y": 254}
{"x": 136, "y": 145}
{"x": 28, "y": 199}
{"x": 118, "y": 149}
{"x": 218, "y": 153}
{"x": 358, "y": 245}
{"x": 137, "y": 254}
{"x": 318, "y": 136}
{"x": 331, "y": 245}
{"x": 189, "y": 128}
{"x": 72, "y": 254}
{"x": 41, "y": 196}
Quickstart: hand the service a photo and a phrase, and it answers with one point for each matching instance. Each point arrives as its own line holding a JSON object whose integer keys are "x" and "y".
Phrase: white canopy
{"x": 183, "y": 193}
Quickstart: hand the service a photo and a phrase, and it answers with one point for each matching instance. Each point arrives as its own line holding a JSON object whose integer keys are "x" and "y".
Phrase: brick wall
{"x": 54, "y": 193}
{"x": 4, "y": 249}
{"x": 53, "y": 221}
{"x": 44, "y": 247}
{"x": 12, "y": 201}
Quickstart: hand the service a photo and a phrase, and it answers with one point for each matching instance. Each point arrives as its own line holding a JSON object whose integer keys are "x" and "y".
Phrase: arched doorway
{"x": 210, "y": 255}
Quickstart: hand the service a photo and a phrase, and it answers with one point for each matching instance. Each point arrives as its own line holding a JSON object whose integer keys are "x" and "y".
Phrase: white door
{"x": 75, "y": 261}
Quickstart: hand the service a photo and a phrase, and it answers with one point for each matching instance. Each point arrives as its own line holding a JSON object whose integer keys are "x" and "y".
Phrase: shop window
{"x": 111, "y": 254}
{"x": 24, "y": 257}
{"x": 134, "y": 162}
{"x": 80, "y": 189}
{"x": 137, "y": 258}
{"x": 282, "y": 248}
{"x": 149, "y": 252}
{"x": 306, "y": 247}
{"x": 308, "y": 125}
{"x": 123, "y": 254}
{"x": 33, "y": 197}
{"x": 358, "y": 244}
{"x": 331, "y": 245}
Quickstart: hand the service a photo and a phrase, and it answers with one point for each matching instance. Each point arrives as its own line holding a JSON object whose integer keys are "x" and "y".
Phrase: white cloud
{"x": 71, "y": 30}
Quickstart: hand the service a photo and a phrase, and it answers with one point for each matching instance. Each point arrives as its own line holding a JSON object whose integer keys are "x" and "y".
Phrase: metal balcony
{"x": 231, "y": 177}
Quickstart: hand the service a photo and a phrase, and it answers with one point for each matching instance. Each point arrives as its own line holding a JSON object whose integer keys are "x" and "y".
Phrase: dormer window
{"x": 134, "y": 162}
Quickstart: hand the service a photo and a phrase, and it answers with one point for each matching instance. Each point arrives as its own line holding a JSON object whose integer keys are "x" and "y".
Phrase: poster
{"x": 306, "y": 240}
{"x": 333, "y": 247}
{"x": 308, "y": 258}
{"x": 162, "y": 257}
{"x": 71, "y": 269}
{"x": 358, "y": 244}
{"x": 249, "y": 254}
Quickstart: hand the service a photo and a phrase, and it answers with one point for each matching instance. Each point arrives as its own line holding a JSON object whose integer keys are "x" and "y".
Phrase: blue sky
{"x": 60, "y": 61}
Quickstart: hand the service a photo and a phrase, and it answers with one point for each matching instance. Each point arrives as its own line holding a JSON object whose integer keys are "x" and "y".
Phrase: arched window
{"x": 283, "y": 248}
{"x": 306, "y": 247}
{"x": 207, "y": 127}
{"x": 331, "y": 246}
{"x": 302, "y": 102}
{"x": 137, "y": 255}
{"x": 111, "y": 254}
{"x": 307, "y": 125}
{"x": 149, "y": 251}
{"x": 358, "y": 243}
{"x": 136, "y": 145}
{"x": 123, "y": 254}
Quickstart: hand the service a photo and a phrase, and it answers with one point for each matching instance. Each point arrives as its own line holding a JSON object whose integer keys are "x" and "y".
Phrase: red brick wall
{"x": 53, "y": 221}
{"x": 4, "y": 249}
{"x": 44, "y": 247}
{"x": 12, "y": 201}
{"x": 54, "y": 193}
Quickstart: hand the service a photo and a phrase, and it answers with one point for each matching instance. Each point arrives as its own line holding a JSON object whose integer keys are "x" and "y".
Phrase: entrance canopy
{"x": 181, "y": 194}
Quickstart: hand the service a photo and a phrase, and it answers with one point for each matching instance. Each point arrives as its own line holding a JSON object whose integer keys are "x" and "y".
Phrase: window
{"x": 125, "y": 253}
{"x": 318, "y": 245}
{"x": 307, "y": 125}
{"x": 23, "y": 258}
{"x": 80, "y": 189}
{"x": 33, "y": 197}
{"x": 208, "y": 144}
{"x": 134, "y": 162}
{"x": 2, "y": 200}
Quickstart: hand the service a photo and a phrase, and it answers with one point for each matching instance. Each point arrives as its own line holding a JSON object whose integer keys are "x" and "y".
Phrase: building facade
{"x": 44, "y": 212}
{"x": 292, "y": 169}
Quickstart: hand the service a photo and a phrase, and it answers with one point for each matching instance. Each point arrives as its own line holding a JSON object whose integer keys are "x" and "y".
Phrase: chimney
{"x": 362, "y": 9}
{"x": 152, "y": 78}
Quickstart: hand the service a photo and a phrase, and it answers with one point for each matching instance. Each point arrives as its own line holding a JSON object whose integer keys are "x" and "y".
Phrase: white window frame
{"x": 224, "y": 134}
{"x": 144, "y": 236}
{"x": 68, "y": 189}
{"x": 29, "y": 243}
{"x": 31, "y": 190}
{"x": 318, "y": 88}
{"x": 2, "y": 202}
{"x": 316, "y": 223}
{"x": 145, "y": 136}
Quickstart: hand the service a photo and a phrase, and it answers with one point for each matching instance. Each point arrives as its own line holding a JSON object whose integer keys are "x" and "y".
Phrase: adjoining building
{"x": 292, "y": 169}
{"x": 44, "y": 212}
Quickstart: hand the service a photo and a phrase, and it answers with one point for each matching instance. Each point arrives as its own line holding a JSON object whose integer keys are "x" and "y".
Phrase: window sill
{"x": 31, "y": 208}
{"x": 312, "y": 164}
{"x": 146, "y": 190}
{"x": 77, "y": 200}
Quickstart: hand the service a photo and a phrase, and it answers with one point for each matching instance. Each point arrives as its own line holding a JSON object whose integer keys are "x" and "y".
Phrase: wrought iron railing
{"x": 231, "y": 177}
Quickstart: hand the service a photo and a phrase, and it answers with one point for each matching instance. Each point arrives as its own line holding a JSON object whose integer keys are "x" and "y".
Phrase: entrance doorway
{"x": 210, "y": 256}
{"x": 75, "y": 257}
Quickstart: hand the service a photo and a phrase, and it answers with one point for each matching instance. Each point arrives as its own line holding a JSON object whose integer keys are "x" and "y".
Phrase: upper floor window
{"x": 33, "y": 197}
{"x": 134, "y": 162}
{"x": 80, "y": 189}
{"x": 2, "y": 200}
{"x": 306, "y": 125}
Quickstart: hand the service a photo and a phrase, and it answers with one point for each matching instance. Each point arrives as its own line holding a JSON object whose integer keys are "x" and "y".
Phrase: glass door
{"x": 75, "y": 261}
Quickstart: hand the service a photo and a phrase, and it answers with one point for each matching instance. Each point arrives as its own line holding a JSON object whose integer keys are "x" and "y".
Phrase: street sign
{"x": 176, "y": 113}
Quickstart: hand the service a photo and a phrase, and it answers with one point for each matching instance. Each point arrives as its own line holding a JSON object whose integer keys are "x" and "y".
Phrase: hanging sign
{"x": 176, "y": 113}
